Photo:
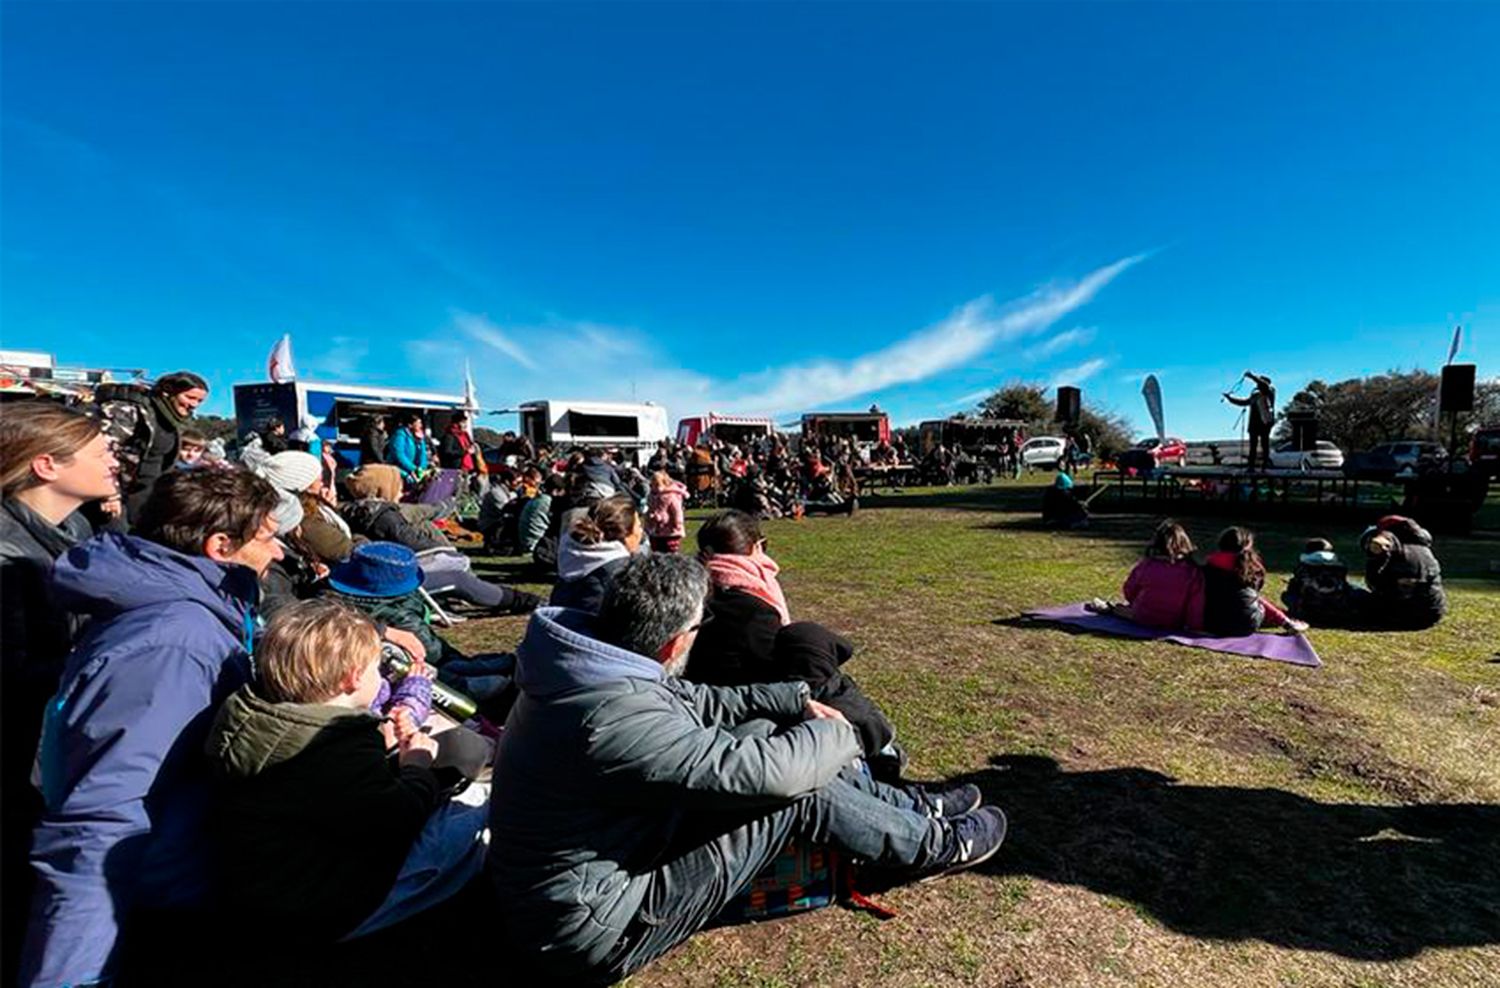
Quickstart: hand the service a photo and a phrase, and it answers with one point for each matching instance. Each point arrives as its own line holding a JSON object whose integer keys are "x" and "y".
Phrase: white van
{"x": 564, "y": 425}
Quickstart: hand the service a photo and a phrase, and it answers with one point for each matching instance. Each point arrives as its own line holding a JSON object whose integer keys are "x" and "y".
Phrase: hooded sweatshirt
{"x": 584, "y": 572}
{"x": 123, "y": 774}
{"x": 1164, "y": 594}
{"x": 311, "y": 822}
{"x": 603, "y": 757}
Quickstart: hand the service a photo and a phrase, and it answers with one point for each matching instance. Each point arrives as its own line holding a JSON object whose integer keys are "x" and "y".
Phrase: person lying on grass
{"x": 629, "y": 807}
{"x": 1165, "y": 589}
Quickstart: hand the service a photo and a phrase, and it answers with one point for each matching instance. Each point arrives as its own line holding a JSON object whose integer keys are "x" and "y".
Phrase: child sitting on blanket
{"x": 1319, "y": 592}
{"x": 1232, "y": 581}
{"x": 1165, "y": 589}
{"x": 318, "y": 834}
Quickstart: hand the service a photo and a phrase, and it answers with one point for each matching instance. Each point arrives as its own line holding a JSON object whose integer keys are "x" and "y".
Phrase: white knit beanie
{"x": 292, "y": 470}
{"x": 287, "y": 514}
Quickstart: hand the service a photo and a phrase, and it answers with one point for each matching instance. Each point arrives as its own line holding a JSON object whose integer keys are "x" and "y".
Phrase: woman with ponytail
{"x": 1233, "y": 578}
{"x": 593, "y": 551}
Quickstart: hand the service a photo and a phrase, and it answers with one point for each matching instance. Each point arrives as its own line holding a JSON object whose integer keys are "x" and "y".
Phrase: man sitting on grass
{"x": 630, "y": 806}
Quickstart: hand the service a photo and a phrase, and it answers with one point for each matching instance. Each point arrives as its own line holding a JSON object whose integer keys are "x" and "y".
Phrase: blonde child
{"x": 317, "y": 830}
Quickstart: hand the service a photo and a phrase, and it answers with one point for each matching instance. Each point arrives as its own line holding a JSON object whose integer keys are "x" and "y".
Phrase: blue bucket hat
{"x": 377, "y": 569}
{"x": 1064, "y": 482}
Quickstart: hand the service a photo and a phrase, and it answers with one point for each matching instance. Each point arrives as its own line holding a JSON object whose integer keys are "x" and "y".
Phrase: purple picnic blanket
{"x": 1295, "y": 649}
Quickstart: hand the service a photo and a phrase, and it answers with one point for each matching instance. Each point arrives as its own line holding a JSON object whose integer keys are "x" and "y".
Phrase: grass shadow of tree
{"x": 1362, "y": 881}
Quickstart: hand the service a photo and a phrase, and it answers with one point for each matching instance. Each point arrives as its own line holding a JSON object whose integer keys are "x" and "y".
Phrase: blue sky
{"x": 755, "y": 206}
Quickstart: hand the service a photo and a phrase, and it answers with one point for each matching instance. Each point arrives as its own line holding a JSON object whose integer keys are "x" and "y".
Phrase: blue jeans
{"x": 448, "y": 854}
{"x": 723, "y": 852}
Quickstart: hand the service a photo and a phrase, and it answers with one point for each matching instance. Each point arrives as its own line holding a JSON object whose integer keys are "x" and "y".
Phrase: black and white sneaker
{"x": 945, "y": 804}
{"x": 973, "y": 840}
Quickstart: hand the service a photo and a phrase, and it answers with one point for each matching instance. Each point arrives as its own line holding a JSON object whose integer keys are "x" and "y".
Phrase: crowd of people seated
{"x": 227, "y": 690}
{"x": 1170, "y": 590}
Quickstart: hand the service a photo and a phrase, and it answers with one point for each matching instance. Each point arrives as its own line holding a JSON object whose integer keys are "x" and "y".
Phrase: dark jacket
{"x": 1319, "y": 591}
{"x": 35, "y": 633}
{"x": 382, "y": 521}
{"x": 603, "y": 480}
{"x": 311, "y": 821}
{"x": 734, "y": 647}
{"x": 811, "y": 653}
{"x": 1230, "y": 607}
{"x": 744, "y": 642}
{"x": 1406, "y": 588}
{"x": 604, "y": 763}
{"x": 372, "y": 446}
{"x": 123, "y": 772}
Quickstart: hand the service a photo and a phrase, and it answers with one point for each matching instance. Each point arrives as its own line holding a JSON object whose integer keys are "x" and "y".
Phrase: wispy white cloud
{"x": 973, "y": 398}
{"x": 480, "y": 329}
{"x": 1079, "y": 336}
{"x": 567, "y": 358}
{"x": 971, "y": 330}
{"x": 1077, "y": 375}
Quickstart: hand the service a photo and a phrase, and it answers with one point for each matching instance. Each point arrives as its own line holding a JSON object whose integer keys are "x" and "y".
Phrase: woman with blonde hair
{"x": 53, "y": 460}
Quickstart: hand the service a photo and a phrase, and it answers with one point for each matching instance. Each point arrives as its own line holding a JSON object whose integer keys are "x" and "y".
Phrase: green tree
{"x": 1109, "y": 431}
{"x": 1361, "y": 412}
{"x": 214, "y": 426}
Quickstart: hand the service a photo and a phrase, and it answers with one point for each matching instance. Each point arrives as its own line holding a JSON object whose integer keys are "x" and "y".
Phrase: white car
{"x": 1323, "y": 456}
{"x": 1042, "y": 451}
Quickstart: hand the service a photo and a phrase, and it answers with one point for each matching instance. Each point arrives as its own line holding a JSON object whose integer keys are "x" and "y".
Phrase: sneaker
{"x": 1097, "y": 606}
{"x": 972, "y": 840}
{"x": 521, "y": 602}
{"x": 947, "y": 804}
{"x": 1297, "y": 627}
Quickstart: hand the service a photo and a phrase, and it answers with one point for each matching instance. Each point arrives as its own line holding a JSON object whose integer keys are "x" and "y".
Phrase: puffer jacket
{"x": 407, "y": 452}
{"x": 123, "y": 772}
{"x": 605, "y": 758}
{"x": 1406, "y": 588}
{"x": 311, "y": 823}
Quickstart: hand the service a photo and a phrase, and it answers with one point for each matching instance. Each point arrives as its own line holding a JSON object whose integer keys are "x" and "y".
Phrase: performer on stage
{"x": 1262, "y": 405}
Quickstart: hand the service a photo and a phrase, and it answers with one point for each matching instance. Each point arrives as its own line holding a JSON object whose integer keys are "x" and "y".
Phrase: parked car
{"x": 1484, "y": 450}
{"x": 1404, "y": 458}
{"x": 1042, "y": 451}
{"x": 1323, "y": 456}
{"x": 1153, "y": 452}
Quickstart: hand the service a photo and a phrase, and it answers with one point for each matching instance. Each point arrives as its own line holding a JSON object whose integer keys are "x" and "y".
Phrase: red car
{"x": 1169, "y": 450}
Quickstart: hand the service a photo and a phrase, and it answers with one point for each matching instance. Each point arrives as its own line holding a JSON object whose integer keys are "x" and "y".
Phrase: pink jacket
{"x": 1166, "y": 595}
{"x": 664, "y": 512}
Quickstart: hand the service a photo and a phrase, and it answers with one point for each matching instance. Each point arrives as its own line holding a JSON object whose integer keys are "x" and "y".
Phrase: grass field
{"x": 1178, "y": 817}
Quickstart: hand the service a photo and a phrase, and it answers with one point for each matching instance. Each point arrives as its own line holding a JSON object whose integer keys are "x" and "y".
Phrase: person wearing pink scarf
{"x": 755, "y": 574}
{"x": 748, "y": 636}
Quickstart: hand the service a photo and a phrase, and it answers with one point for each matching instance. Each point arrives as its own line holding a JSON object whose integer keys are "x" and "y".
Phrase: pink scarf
{"x": 754, "y": 574}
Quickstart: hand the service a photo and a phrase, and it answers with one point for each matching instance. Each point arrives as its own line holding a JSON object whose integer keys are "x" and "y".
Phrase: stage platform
{"x": 1183, "y": 487}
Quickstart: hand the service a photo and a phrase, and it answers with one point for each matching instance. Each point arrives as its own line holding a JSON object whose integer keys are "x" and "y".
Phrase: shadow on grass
{"x": 1222, "y": 863}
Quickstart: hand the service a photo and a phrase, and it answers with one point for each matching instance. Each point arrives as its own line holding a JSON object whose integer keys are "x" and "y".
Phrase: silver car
{"x": 1323, "y": 456}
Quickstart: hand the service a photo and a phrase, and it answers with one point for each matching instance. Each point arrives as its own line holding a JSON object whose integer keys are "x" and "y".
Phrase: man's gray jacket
{"x": 602, "y": 758}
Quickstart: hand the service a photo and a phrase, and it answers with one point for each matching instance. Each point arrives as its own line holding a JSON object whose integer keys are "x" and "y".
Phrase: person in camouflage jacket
{"x": 145, "y": 424}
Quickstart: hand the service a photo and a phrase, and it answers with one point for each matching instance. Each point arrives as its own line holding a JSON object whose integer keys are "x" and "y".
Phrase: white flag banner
{"x": 279, "y": 366}
{"x": 1458, "y": 336}
{"x": 471, "y": 399}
